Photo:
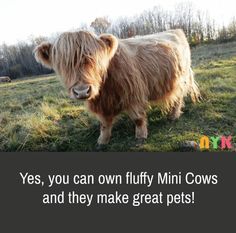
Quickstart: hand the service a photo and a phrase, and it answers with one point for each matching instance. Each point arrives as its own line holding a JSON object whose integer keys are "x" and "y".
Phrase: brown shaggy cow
{"x": 115, "y": 75}
{"x": 5, "y": 79}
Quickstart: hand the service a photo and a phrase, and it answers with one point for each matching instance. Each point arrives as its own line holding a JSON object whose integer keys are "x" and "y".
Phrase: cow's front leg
{"x": 105, "y": 130}
{"x": 141, "y": 131}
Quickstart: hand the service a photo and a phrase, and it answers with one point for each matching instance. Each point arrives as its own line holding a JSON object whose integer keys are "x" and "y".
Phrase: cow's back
{"x": 175, "y": 38}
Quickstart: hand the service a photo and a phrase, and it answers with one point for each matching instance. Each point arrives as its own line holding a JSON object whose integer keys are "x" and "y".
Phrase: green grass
{"x": 37, "y": 115}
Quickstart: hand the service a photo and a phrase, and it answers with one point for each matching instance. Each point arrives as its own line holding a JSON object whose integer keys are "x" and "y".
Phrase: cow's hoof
{"x": 100, "y": 147}
{"x": 140, "y": 141}
{"x": 172, "y": 118}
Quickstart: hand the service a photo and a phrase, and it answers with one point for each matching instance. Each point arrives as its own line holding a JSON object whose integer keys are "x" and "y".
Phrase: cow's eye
{"x": 85, "y": 61}
{"x": 75, "y": 61}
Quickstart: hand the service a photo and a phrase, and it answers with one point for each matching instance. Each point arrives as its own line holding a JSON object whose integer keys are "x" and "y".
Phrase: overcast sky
{"x": 21, "y": 18}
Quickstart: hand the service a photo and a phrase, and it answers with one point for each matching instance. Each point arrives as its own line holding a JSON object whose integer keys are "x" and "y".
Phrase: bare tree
{"x": 100, "y": 25}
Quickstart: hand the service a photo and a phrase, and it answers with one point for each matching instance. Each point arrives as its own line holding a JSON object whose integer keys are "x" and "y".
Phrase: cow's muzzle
{"x": 82, "y": 92}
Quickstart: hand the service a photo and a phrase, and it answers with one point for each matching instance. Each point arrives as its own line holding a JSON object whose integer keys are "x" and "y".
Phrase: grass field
{"x": 37, "y": 115}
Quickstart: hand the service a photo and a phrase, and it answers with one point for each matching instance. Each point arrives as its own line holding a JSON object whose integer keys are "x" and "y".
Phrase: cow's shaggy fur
{"x": 5, "y": 79}
{"x": 124, "y": 75}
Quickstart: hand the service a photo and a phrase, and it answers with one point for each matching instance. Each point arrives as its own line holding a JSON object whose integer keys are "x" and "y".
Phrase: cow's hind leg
{"x": 176, "y": 110}
{"x": 140, "y": 120}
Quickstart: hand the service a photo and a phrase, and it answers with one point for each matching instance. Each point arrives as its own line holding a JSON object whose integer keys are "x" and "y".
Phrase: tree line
{"x": 18, "y": 60}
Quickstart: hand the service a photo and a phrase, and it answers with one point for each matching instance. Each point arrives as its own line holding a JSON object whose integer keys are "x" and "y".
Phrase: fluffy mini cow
{"x": 123, "y": 75}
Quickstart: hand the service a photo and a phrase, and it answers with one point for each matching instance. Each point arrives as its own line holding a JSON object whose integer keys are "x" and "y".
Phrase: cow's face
{"x": 81, "y": 59}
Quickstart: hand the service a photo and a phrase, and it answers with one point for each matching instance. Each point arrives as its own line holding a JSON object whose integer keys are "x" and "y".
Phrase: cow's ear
{"x": 111, "y": 43}
{"x": 42, "y": 54}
